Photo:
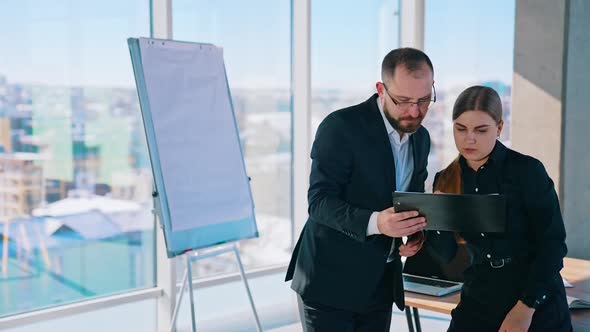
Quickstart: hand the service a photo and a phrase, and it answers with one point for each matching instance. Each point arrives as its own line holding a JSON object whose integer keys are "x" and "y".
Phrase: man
{"x": 346, "y": 265}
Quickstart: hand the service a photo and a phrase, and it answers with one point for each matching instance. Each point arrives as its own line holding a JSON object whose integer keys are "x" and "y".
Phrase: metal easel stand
{"x": 194, "y": 256}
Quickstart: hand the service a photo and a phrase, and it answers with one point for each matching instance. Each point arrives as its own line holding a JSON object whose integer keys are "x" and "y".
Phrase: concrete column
{"x": 575, "y": 145}
{"x": 549, "y": 118}
{"x": 412, "y": 23}
{"x": 538, "y": 81}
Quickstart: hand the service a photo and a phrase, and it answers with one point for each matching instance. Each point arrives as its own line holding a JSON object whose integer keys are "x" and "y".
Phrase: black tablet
{"x": 456, "y": 212}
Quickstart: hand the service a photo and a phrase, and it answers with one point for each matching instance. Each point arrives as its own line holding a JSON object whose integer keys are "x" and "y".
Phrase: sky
{"x": 68, "y": 42}
{"x": 73, "y": 43}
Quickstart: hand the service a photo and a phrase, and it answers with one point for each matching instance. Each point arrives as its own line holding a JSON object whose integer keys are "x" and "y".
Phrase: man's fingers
{"x": 402, "y": 224}
{"x": 408, "y": 223}
{"x": 413, "y": 229}
{"x": 414, "y": 247}
{"x": 407, "y": 252}
{"x": 390, "y": 210}
{"x": 404, "y": 215}
{"x": 414, "y": 242}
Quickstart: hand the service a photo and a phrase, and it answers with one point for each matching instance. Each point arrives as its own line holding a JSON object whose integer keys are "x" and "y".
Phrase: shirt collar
{"x": 498, "y": 153}
{"x": 391, "y": 132}
{"x": 497, "y": 156}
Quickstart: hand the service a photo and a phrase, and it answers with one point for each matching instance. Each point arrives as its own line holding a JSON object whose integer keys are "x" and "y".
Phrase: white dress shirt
{"x": 404, "y": 164}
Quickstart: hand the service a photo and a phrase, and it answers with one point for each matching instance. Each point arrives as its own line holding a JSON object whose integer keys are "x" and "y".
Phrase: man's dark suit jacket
{"x": 352, "y": 175}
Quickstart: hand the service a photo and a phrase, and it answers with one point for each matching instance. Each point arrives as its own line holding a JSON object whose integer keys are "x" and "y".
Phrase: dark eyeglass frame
{"x": 406, "y": 104}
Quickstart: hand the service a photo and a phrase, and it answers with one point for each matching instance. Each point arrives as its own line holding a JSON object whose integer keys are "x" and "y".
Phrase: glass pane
{"x": 75, "y": 179}
{"x": 481, "y": 54}
{"x": 256, "y": 38}
{"x": 347, "y": 49}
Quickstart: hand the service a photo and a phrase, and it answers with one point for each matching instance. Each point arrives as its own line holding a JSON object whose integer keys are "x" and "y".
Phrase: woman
{"x": 513, "y": 281}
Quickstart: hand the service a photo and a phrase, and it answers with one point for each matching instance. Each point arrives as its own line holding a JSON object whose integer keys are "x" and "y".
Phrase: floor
{"x": 429, "y": 321}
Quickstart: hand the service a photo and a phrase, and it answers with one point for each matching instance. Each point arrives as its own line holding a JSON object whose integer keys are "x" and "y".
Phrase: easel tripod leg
{"x": 177, "y": 306}
{"x": 191, "y": 294}
{"x": 243, "y": 275}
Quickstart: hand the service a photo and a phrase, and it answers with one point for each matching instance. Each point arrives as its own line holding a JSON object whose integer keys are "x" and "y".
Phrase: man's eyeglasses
{"x": 422, "y": 104}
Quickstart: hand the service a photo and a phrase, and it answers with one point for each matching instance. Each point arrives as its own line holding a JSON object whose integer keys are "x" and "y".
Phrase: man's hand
{"x": 518, "y": 319}
{"x": 414, "y": 244}
{"x": 399, "y": 224}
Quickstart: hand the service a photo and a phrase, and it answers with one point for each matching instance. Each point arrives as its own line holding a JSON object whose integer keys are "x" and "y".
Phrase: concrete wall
{"x": 575, "y": 162}
{"x": 550, "y": 118}
{"x": 538, "y": 81}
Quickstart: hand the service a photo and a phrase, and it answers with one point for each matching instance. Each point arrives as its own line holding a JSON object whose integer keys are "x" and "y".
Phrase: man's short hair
{"x": 411, "y": 58}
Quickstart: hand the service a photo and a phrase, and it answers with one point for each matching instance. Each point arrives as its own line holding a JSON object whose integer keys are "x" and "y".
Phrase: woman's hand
{"x": 518, "y": 319}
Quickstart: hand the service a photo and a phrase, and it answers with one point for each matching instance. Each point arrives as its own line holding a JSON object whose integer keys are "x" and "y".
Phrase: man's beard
{"x": 407, "y": 129}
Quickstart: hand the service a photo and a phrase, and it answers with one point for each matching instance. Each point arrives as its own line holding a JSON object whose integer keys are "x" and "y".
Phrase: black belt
{"x": 497, "y": 263}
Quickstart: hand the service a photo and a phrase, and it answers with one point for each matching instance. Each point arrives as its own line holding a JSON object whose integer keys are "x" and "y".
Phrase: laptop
{"x": 429, "y": 286}
{"x": 425, "y": 275}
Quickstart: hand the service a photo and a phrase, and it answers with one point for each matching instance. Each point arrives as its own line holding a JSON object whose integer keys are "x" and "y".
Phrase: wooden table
{"x": 576, "y": 271}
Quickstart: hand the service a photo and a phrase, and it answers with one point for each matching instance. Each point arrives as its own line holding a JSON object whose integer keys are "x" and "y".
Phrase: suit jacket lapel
{"x": 376, "y": 130}
{"x": 378, "y": 133}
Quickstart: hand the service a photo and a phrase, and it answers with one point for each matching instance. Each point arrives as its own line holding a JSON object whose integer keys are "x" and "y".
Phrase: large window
{"x": 347, "y": 48}
{"x": 256, "y": 39}
{"x": 469, "y": 43}
{"x": 75, "y": 178}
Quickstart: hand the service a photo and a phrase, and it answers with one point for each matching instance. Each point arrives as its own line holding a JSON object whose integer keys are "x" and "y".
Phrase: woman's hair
{"x": 479, "y": 98}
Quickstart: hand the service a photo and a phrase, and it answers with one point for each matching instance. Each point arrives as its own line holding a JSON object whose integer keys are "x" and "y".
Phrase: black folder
{"x": 456, "y": 212}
